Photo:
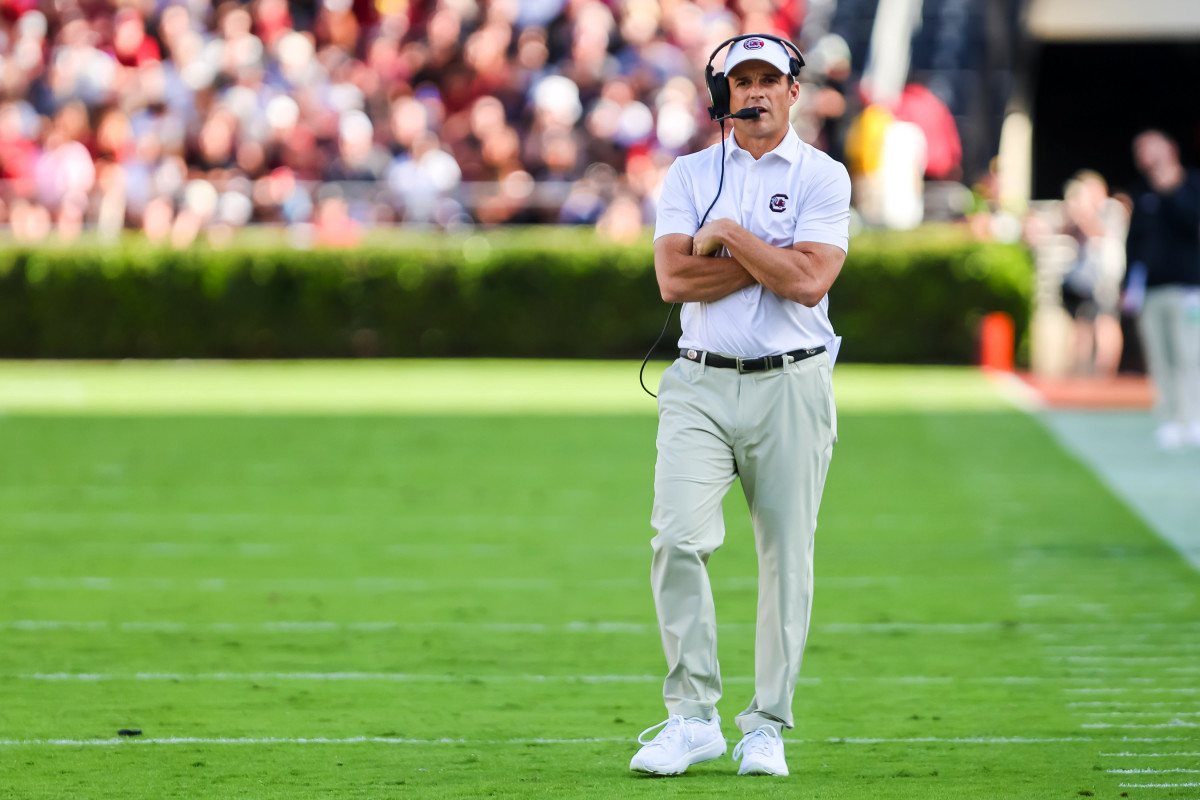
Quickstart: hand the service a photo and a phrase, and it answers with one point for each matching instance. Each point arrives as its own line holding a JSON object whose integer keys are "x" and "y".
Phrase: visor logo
{"x": 753, "y": 44}
{"x": 779, "y": 203}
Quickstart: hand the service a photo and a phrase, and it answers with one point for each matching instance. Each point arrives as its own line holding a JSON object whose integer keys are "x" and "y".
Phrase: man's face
{"x": 757, "y": 84}
{"x": 1152, "y": 150}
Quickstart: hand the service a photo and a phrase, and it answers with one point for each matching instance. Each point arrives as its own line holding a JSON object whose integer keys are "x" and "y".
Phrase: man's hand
{"x": 711, "y": 237}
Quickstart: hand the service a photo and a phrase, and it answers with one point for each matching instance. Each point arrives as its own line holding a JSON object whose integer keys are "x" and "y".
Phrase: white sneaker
{"x": 761, "y": 753}
{"x": 1169, "y": 436}
{"x": 680, "y": 743}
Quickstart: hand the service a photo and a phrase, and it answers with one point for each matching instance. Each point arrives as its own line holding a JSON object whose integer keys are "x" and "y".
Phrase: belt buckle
{"x": 739, "y": 365}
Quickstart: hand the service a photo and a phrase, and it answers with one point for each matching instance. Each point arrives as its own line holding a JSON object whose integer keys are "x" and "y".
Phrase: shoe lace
{"x": 761, "y": 741}
{"x": 672, "y": 728}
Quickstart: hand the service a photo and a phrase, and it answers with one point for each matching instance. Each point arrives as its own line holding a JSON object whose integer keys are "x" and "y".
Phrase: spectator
{"x": 1090, "y": 288}
{"x": 358, "y": 158}
{"x": 1163, "y": 284}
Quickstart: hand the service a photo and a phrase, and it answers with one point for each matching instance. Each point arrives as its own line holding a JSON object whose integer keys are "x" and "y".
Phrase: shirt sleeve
{"x": 676, "y": 210}
{"x": 825, "y": 213}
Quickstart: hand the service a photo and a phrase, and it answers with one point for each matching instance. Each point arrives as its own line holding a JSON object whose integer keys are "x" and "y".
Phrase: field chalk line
{"x": 1175, "y": 723}
{"x": 408, "y": 677}
{"x": 1149, "y": 755}
{"x": 374, "y": 585}
{"x": 248, "y": 740}
{"x": 1128, "y": 703}
{"x": 1120, "y": 689}
{"x": 1142, "y": 713}
{"x": 1150, "y": 771}
{"x": 325, "y": 626}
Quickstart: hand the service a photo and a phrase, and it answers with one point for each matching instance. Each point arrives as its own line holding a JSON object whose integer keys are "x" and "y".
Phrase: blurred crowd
{"x": 188, "y": 118}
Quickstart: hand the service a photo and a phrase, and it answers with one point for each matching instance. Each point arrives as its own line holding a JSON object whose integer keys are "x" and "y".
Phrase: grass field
{"x": 431, "y": 581}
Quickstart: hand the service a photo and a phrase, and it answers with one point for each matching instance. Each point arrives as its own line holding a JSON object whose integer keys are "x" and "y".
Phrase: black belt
{"x": 757, "y": 364}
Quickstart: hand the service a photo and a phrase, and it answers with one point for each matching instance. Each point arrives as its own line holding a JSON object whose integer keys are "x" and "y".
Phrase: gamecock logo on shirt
{"x": 778, "y": 202}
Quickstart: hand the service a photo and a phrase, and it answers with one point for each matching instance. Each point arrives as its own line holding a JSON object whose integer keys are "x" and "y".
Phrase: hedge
{"x": 536, "y": 293}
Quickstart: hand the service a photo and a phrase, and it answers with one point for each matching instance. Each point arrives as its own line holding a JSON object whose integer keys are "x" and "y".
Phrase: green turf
{"x": 419, "y": 387}
{"x": 352, "y": 563}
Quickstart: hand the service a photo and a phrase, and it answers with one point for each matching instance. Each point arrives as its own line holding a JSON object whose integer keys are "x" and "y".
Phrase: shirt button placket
{"x": 748, "y": 196}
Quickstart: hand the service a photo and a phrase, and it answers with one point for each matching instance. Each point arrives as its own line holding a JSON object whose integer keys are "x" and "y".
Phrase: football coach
{"x": 750, "y": 236}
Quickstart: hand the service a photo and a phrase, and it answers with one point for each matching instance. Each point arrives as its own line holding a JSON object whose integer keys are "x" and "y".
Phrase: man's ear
{"x": 793, "y": 92}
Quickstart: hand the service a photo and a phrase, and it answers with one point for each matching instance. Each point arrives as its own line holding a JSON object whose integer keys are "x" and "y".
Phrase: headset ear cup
{"x": 718, "y": 92}
{"x": 794, "y": 66}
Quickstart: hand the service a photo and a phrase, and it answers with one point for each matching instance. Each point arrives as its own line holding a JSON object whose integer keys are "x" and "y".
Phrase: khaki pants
{"x": 1169, "y": 324}
{"x": 776, "y": 430}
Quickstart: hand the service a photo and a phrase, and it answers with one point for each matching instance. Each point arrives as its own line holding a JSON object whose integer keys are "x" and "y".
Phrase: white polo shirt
{"x": 794, "y": 193}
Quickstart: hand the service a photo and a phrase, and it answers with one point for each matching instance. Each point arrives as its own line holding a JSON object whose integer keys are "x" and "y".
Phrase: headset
{"x": 718, "y": 95}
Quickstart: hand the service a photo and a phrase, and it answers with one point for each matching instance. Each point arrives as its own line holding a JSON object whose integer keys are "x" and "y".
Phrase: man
{"x": 1163, "y": 284}
{"x": 753, "y": 282}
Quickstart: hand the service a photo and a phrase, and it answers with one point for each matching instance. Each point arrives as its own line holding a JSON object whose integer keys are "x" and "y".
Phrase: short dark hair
{"x": 1155, "y": 132}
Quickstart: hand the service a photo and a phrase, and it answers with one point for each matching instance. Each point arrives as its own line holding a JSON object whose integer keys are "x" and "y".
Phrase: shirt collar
{"x": 788, "y": 149}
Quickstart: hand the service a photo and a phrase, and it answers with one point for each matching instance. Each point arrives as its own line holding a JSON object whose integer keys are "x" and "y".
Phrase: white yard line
{"x": 398, "y": 585}
{"x": 271, "y": 740}
{"x": 379, "y": 585}
{"x": 1122, "y": 659}
{"x": 298, "y": 626}
{"x": 134, "y": 740}
{"x": 93, "y": 677}
{"x": 1142, "y": 714}
{"x": 51, "y": 519}
{"x": 1175, "y": 723}
{"x": 400, "y": 677}
{"x": 1151, "y": 771}
{"x": 1121, "y": 689}
{"x": 1150, "y": 755}
{"x": 1109, "y": 703}
{"x": 325, "y": 626}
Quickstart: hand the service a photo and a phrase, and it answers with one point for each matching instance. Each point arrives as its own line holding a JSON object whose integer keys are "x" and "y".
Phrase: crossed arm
{"x": 688, "y": 272}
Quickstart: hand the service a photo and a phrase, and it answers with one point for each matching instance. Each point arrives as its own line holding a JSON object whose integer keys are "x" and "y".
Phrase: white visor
{"x": 756, "y": 49}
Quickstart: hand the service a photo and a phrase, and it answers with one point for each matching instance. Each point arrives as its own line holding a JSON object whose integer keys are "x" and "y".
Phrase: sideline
{"x": 1118, "y": 446}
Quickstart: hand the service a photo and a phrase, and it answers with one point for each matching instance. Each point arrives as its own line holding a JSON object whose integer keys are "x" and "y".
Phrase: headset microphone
{"x": 746, "y": 113}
